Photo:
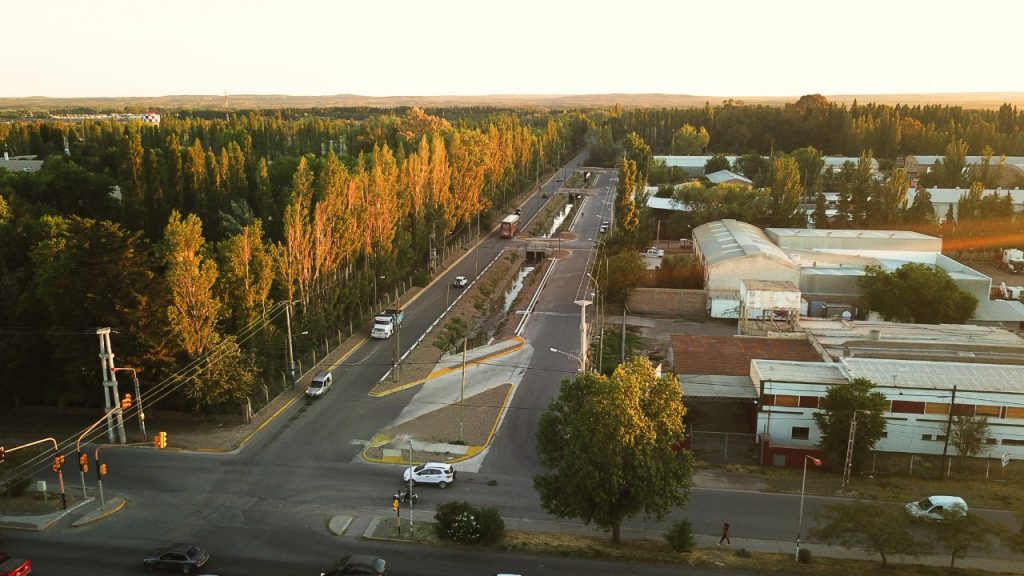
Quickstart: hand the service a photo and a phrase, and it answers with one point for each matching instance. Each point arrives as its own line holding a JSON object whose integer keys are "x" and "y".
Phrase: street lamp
{"x": 600, "y": 320}
{"x": 138, "y": 399}
{"x": 584, "y": 344}
{"x": 573, "y": 356}
{"x": 803, "y": 484}
{"x": 375, "y": 288}
{"x": 291, "y": 351}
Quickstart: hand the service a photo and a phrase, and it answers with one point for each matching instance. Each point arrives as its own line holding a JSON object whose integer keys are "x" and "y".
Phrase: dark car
{"x": 186, "y": 558}
{"x": 356, "y": 564}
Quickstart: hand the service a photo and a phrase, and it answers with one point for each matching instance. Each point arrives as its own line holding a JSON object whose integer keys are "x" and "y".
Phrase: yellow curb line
{"x": 441, "y": 372}
{"x": 471, "y": 451}
{"x": 102, "y": 514}
{"x": 274, "y": 416}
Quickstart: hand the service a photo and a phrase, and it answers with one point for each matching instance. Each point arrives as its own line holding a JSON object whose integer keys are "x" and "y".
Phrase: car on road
{"x": 603, "y": 228}
{"x": 356, "y": 564}
{"x": 936, "y": 507}
{"x": 185, "y": 558}
{"x": 654, "y": 252}
{"x": 319, "y": 385}
{"x": 460, "y": 282}
{"x": 438, "y": 473}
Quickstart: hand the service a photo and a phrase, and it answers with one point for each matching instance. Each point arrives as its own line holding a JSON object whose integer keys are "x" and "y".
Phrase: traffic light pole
{"x": 101, "y": 469}
{"x": 58, "y": 463}
{"x": 83, "y": 466}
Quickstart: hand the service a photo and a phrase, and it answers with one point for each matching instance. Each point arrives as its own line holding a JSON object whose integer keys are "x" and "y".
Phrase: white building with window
{"x": 921, "y": 397}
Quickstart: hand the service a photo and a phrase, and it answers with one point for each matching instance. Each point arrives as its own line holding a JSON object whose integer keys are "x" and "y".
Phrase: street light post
{"x": 583, "y": 331}
{"x": 573, "y": 356}
{"x": 138, "y": 399}
{"x": 600, "y": 319}
{"x": 803, "y": 485}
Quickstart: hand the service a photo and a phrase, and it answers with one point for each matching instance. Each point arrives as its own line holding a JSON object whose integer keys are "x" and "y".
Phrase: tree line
{"x": 182, "y": 236}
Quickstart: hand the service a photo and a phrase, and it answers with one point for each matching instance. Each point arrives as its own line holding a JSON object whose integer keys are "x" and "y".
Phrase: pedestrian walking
{"x": 725, "y": 536}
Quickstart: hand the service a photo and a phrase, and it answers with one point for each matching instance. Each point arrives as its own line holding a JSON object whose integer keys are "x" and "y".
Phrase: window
{"x": 982, "y": 410}
{"x": 926, "y": 436}
{"x": 784, "y": 400}
{"x": 801, "y": 433}
{"x": 808, "y": 401}
{"x": 940, "y": 437}
{"x": 1012, "y": 442}
{"x": 991, "y": 440}
{"x": 1012, "y": 412}
{"x": 904, "y": 407}
{"x": 935, "y": 408}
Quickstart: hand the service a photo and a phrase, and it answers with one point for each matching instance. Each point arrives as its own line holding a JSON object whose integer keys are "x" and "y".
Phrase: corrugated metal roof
{"x": 718, "y": 387}
{"x": 969, "y": 160}
{"x": 656, "y": 203}
{"x": 825, "y": 233}
{"x": 731, "y": 355}
{"x": 726, "y": 176}
{"x": 953, "y": 195}
{"x": 938, "y": 375}
{"x": 722, "y": 240}
{"x": 999, "y": 311}
{"x": 807, "y": 372}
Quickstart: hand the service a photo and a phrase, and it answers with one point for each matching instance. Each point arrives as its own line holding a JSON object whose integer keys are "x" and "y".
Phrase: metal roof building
{"x": 731, "y": 252}
{"x": 943, "y": 198}
{"x": 821, "y": 239}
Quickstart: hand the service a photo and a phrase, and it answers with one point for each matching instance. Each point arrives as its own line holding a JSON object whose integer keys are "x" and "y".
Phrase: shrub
{"x": 467, "y": 524}
{"x": 680, "y": 536}
{"x": 465, "y": 529}
{"x": 804, "y": 556}
{"x": 492, "y": 527}
{"x": 447, "y": 514}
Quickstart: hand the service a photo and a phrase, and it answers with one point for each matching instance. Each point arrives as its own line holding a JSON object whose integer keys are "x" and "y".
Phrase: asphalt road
{"x": 264, "y": 509}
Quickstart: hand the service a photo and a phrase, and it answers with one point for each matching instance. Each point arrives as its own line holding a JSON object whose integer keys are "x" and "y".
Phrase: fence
{"x": 724, "y": 447}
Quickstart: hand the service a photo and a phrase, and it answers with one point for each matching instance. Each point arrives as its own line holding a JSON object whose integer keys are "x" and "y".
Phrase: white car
{"x": 935, "y": 507}
{"x": 460, "y": 282}
{"x": 653, "y": 252}
{"x": 431, "y": 473}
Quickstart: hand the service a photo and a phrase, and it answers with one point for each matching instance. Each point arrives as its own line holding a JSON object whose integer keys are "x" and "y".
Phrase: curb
{"x": 520, "y": 343}
{"x": 338, "y": 524}
{"x": 117, "y": 504}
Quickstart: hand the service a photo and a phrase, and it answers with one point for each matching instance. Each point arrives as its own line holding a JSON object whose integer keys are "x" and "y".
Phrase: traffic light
{"x": 2, "y": 454}
{"x": 102, "y": 470}
{"x": 58, "y": 462}
{"x": 126, "y": 402}
{"x": 83, "y": 462}
{"x": 160, "y": 440}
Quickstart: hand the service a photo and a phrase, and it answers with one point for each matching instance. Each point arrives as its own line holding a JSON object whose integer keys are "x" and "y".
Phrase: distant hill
{"x": 975, "y": 100}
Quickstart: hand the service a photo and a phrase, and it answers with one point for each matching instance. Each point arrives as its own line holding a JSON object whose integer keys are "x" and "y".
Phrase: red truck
{"x": 14, "y": 567}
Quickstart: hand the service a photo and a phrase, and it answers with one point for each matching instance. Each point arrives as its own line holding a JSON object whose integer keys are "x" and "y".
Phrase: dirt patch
{"x": 481, "y": 412}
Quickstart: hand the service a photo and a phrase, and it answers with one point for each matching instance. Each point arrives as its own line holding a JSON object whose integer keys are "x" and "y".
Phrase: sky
{"x": 731, "y": 48}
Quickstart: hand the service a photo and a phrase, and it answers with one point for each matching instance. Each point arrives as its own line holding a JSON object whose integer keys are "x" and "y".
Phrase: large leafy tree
{"x": 786, "y": 193}
{"x": 835, "y": 414}
{"x": 916, "y": 293}
{"x": 627, "y": 217}
{"x": 959, "y": 533}
{"x": 611, "y": 445}
{"x": 879, "y": 527}
{"x": 190, "y": 276}
{"x": 967, "y": 435}
{"x": 689, "y": 141}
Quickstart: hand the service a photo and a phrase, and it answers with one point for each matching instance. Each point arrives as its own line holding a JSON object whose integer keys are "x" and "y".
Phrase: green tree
{"x": 820, "y": 211}
{"x": 716, "y": 163}
{"x": 453, "y": 334}
{"x": 611, "y": 445}
{"x": 190, "y": 276}
{"x": 968, "y": 435}
{"x": 917, "y": 293}
{"x": 690, "y": 141}
{"x": 835, "y": 414}
{"x": 958, "y": 533}
{"x": 878, "y": 527}
{"x": 921, "y": 214}
{"x": 810, "y": 164}
{"x": 627, "y": 217}
{"x": 786, "y": 193}
{"x": 625, "y": 271}
{"x": 950, "y": 168}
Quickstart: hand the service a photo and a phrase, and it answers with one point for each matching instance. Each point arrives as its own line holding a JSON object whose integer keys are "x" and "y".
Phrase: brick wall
{"x": 668, "y": 302}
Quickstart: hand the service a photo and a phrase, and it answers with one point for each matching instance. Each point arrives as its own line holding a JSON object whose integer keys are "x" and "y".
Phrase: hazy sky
{"x": 64, "y": 48}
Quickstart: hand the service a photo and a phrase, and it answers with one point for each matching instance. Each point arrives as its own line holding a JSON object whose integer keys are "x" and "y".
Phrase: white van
{"x": 933, "y": 507}
{"x": 320, "y": 384}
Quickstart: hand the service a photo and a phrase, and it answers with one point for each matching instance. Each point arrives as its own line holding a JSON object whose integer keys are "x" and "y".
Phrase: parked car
{"x": 603, "y": 228}
{"x": 935, "y": 507}
{"x": 437, "y": 473}
{"x": 319, "y": 385}
{"x": 14, "y": 566}
{"x": 654, "y": 252}
{"x": 460, "y": 282}
{"x": 185, "y": 558}
{"x": 356, "y": 564}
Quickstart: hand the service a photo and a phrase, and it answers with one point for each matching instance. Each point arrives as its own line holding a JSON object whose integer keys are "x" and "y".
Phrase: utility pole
{"x": 111, "y": 398}
{"x": 949, "y": 426}
{"x": 291, "y": 352}
{"x": 396, "y": 349}
{"x": 462, "y": 392}
{"x": 849, "y": 450}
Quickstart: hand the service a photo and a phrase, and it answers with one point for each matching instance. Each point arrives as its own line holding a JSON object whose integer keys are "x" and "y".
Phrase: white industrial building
{"x": 732, "y": 252}
{"x": 920, "y": 396}
{"x": 694, "y": 165}
{"x": 824, "y": 265}
{"x": 944, "y": 198}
